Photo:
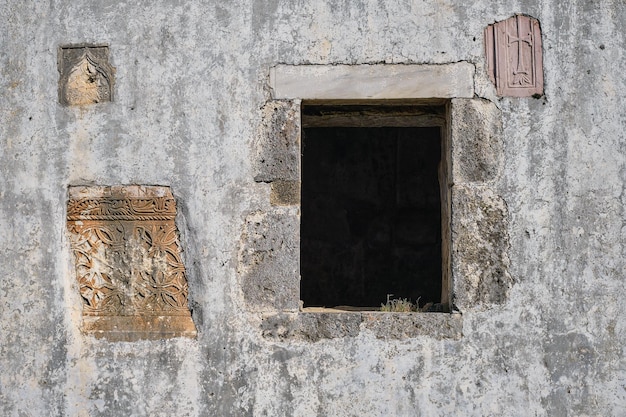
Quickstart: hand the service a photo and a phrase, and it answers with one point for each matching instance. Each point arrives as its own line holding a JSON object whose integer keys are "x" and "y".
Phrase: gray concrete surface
{"x": 191, "y": 91}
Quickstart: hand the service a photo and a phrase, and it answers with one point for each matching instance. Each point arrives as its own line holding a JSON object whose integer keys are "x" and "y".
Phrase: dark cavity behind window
{"x": 371, "y": 215}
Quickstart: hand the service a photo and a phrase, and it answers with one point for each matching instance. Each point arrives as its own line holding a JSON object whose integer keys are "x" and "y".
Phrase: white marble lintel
{"x": 365, "y": 82}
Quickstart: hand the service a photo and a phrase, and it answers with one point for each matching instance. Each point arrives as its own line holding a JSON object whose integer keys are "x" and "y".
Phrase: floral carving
{"x": 127, "y": 252}
{"x": 122, "y": 208}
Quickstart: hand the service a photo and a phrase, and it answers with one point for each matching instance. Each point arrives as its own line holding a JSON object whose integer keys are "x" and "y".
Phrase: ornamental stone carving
{"x": 86, "y": 75}
{"x": 130, "y": 273}
{"x": 514, "y": 56}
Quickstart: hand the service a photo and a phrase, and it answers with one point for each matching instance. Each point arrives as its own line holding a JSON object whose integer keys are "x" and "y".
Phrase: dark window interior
{"x": 371, "y": 215}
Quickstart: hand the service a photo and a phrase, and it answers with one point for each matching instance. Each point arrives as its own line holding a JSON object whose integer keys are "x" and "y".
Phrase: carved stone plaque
{"x": 514, "y": 56}
{"x": 127, "y": 256}
{"x": 86, "y": 75}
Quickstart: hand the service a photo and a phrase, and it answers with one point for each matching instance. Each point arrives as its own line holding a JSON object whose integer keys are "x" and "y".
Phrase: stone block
{"x": 407, "y": 325}
{"x": 128, "y": 262}
{"x": 310, "y": 326}
{"x": 269, "y": 260}
{"x": 285, "y": 193}
{"x": 480, "y": 243}
{"x": 277, "y": 143}
{"x": 86, "y": 77}
{"x": 138, "y": 327}
{"x": 514, "y": 56}
{"x": 476, "y": 140}
{"x": 333, "y": 323}
{"x": 361, "y": 82}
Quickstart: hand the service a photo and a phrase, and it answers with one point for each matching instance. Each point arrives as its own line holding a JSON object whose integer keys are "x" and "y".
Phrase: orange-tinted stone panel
{"x": 514, "y": 56}
{"x": 130, "y": 273}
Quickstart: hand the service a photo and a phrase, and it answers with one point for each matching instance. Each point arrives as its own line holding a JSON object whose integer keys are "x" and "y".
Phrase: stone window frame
{"x": 406, "y": 113}
{"x": 478, "y": 261}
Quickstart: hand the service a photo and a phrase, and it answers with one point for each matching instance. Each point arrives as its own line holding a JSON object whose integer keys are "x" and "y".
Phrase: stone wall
{"x": 537, "y": 270}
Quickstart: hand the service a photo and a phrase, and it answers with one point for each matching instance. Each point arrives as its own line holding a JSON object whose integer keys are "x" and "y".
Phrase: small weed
{"x": 398, "y": 305}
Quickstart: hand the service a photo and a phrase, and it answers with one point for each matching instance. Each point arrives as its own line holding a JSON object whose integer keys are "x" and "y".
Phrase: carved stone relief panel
{"x": 514, "y": 56}
{"x": 130, "y": 273}
{"x": 86, "y": 75}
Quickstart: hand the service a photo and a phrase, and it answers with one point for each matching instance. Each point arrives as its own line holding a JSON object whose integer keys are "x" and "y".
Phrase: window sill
{"x": 313, "y": 324}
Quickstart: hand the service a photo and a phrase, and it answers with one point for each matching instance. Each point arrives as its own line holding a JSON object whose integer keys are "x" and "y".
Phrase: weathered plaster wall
{"x": 190, "y": 90}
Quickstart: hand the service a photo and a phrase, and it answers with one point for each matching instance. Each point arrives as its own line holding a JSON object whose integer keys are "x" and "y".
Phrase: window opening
{"x": 371, "y": 214}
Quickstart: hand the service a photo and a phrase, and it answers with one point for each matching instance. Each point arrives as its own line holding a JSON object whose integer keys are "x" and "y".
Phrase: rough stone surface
{"x": 315, "y": 326}
{"x": 278, "y": 142}
{"x": 268, "y": 260}
{"x": 480, "y": 244}
{"x": 477, "y": 140}
{"x": 285, "y": 193}
{"x": 190, "y": 80}
{"x": 310, "y": 326}
{"x": 404, "y": 326}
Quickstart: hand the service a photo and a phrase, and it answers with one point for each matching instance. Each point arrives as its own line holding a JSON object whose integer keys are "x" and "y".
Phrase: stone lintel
{"x": 366, "y": 82}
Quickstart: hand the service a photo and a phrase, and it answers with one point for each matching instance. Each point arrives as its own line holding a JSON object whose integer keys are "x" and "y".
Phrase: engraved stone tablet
{"x": 127, "y": 256}
{"x": 86, "y": 75}
{"x": 514, "y": 56}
